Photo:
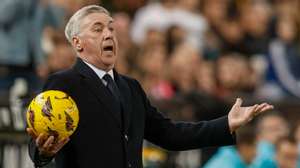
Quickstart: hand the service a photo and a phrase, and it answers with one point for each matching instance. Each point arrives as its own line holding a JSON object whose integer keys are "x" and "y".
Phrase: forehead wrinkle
{"x": 99, "y": 23}
{"x": 86, "y": 20}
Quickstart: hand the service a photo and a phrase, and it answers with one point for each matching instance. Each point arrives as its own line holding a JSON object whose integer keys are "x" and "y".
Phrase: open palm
{"x": 239, "y": 116}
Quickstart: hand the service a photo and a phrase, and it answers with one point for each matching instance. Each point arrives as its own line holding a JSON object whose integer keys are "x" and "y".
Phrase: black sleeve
{"x": 54, "y": 82}
{"x": 39, "y": 161}
{"x": 176, "y": 136}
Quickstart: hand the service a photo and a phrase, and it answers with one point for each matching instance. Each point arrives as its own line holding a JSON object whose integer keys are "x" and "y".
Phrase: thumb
{"x": 31, "y": 133}
{"x": 238, "y": 103}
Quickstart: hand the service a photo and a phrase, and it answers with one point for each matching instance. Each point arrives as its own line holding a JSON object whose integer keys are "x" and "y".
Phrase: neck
{"x": 102, "y": 67}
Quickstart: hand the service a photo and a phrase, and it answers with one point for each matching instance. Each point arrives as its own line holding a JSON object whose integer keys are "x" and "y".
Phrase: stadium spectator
{"x": 234, "y": 75}
{"x": 286, "y": 154}
{"x": 205, "y": 77}
{"x": 283, "y": 61}
{"x": 126, "y": 47}
{"x": 239, "y": 156}
{"x": 161, "y": 16}
{"x": 63, "y": 56}
{"x": 270, "y": 129}
{"x": 255, "y": 19}
{"x": 21, "y": 54}
{"x": 152, "y": 16}
{"x": 184, "y": 61}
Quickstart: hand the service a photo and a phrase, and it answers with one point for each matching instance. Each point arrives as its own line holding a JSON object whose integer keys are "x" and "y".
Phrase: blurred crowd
{"x": 192, "y": 57}
{"x": 269, "y": 143}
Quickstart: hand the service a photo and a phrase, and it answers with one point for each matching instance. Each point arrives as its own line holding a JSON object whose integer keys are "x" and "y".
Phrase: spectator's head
{"x": 215, "y": 10}
{"x": 232, "y": 32}
{"x": 205, "y": 77}
{"x": 246, "y": 143}
{"x": 233, "y": 72}
{"x": 286, "y": 8}
{"x": 122, "y": 28}
{"x": 286, "y": 153}
{"x": 183, "y": 63}
{"x": 61, "y": 56}
{"x": 154, "y": 38}
{"x": 271, "y": 127}
{"x": 150, "y": 65}
{"x": 255, "y": 17}
{"x": 91, "y": 32}
{"x": 152, "y": 60}
{"x": 286, "y": 29}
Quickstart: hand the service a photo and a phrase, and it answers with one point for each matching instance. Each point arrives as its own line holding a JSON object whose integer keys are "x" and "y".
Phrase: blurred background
{"x": 192, "y": 57}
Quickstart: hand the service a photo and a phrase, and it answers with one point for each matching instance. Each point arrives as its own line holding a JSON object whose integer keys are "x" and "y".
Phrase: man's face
{"x": 273, "y": 128}
{"x": 98, "y": 41}
{"x": 287, "y": 155}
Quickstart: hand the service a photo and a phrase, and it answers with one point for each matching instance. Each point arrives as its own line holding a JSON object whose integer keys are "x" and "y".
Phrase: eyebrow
{"x": 97, "y": 24}
{"x": 101, "y": 24}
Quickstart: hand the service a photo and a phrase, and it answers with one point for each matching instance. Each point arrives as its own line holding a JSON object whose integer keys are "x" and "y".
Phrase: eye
{"x": 98, "y": 29}
{"x": 111, "y": 28}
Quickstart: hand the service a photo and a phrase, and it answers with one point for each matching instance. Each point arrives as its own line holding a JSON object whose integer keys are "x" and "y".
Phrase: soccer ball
{"x": 53, "y": 113}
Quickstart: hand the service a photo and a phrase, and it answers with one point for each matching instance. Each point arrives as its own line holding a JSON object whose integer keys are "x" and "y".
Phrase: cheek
{"x": 93, "y": 44}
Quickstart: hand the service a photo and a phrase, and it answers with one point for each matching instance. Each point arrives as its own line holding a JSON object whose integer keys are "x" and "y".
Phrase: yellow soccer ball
{"x": 53, "y": 113}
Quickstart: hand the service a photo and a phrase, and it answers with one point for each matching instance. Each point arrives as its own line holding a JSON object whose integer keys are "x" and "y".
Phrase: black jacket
{"x": 103, "y": 140}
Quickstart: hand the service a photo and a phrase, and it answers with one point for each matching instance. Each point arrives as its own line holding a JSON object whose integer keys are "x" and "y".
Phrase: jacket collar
{"x": 98, "y": 89}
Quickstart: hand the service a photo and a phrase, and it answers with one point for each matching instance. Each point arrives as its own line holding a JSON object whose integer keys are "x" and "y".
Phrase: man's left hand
{"x": 239, "y": 116}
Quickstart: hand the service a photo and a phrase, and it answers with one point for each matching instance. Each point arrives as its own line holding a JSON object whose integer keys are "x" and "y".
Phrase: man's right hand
{"x": 47, "y": 145}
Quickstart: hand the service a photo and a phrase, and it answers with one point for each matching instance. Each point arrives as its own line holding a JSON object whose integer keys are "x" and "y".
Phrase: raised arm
{"x": 185, "y": 135}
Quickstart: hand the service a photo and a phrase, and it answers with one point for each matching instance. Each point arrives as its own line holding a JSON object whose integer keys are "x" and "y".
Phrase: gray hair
{"x": 73, "y": 26}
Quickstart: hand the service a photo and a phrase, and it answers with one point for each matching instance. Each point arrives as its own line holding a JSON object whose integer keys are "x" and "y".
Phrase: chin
{"x": 109, "y": 63}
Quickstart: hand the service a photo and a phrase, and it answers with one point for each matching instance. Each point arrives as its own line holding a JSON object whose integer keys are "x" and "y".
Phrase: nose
{"x": 107, "y": 34}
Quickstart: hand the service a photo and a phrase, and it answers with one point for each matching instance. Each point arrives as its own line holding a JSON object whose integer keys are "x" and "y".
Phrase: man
{"x": 240, "y": 156}
{"x": 24, "y": 59}
{"x": 287, "y": 153}
{"x": 115, "y": 114}
{"x": 270, "y": 129}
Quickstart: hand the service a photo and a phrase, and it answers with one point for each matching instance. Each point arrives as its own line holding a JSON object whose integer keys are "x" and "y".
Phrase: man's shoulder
{"x": 61, "y": 80}
{"x": 64, "y": 74}
{"x": 127, "y": 78}
{"x": 130, "y": 80}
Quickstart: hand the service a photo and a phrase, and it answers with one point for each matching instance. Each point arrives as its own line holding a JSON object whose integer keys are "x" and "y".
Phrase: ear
{"x": 76, "y": 42}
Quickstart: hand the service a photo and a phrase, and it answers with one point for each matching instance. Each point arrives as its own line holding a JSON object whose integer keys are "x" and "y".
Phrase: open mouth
{"x": 108, "y": 48}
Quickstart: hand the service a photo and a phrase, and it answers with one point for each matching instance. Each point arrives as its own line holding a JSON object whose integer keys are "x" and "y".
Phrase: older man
{"x": 115, "y": 114}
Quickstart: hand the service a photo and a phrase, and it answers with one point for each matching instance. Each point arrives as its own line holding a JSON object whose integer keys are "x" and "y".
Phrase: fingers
{"x": 238, "y": 102}
{"x": 262, "y": 108}
{"x": 60, "y": 144}
{"x": 252, "y": 111}
{"x": 255, "y": 107}
{"x": 266, "y": 108}
{"x": 45, "y": 148}
{"x": 31, "y": 133}
{"x": 48, "y": 143}
{"x": 40, "y": 140}
{"x": 50, "y": 147}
